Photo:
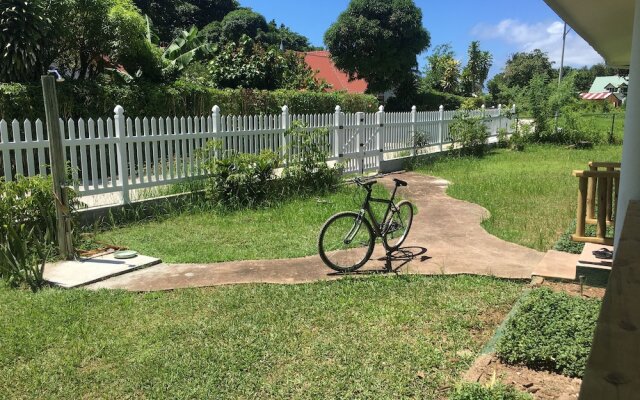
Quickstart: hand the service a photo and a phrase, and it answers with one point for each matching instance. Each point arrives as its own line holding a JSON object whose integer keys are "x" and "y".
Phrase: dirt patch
{"x": 541, "y": 384}
{"x": 574, "y": 289}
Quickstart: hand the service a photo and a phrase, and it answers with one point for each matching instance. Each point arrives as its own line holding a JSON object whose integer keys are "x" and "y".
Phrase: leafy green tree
{"x": 289, "y": 39}
{"x": 443, "y": 70}
{"x": 130, "y": 45}
{"x": 522, "y": 67}
{"x": 476, "y": 70}
{"x": 378, "y": 40}
{"x": 243, "y": 22}
{"x": 537, "y": 94}
{"x": 172, "y": 16}
{"x": 92, "y": 35}
{"x": 248, "y": 64}
{"x": 23, "y": 39}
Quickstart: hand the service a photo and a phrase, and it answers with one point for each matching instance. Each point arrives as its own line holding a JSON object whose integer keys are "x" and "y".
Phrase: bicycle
{"x": 347, "y": 239}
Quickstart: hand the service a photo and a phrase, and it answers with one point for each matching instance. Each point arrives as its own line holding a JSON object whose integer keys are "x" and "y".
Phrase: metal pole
{"x": 564, "y": 41}
{"x": 58, "y": 170}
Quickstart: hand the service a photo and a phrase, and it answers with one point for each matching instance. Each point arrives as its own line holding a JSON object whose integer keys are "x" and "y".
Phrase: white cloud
{"x": 544, "y": 36}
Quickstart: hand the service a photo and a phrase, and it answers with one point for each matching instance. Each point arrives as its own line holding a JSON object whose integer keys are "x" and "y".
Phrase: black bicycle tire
{"x": 322, "y": 253}
{"x": 406, "y": 232}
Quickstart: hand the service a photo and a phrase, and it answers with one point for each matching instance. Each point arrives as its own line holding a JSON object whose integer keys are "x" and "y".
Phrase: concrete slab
{"x": 588, "y": 260}
{"x": 85, "y": 271}
{"x": 557, "y": 265}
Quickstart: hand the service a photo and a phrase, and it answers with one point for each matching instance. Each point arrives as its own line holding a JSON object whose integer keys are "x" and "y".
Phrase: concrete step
{"x": 557, "y": 265}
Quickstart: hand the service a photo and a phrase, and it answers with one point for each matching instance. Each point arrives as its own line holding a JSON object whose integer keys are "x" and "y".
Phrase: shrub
{"x": 494, "y": 391}
{"x": 97, "y": 99}
{"x": 551, "y": 331}
{"x": 248, "y": 180}
{"x": 27, "y": 228}
{"x": 239, "y": 180}
{"x": 306, "y": 170}
{"x": 470, "y": 133}
{"x": 573, "y": 129}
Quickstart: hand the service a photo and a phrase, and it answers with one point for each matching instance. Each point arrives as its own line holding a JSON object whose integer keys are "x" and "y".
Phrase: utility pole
{"x": 58, "y": 170}
{"x": 565, "y": 32}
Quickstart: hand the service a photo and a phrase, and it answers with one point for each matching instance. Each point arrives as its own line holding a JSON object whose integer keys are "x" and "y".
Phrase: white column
{"x": 630, "y": 173}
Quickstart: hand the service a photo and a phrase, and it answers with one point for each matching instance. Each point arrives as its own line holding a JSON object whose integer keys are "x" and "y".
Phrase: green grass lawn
{"x": 283, "y": 231}
{"x": 380, "y": 338}
{"x": 531, "y": 195}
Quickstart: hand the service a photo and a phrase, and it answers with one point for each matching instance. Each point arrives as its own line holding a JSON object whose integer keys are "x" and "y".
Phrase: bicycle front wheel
{"x": 346, "y": 242}
{"x": 398, "y": 225}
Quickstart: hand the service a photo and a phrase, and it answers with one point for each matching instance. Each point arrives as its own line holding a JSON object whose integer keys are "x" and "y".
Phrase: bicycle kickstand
{"x": 387, "y": 266}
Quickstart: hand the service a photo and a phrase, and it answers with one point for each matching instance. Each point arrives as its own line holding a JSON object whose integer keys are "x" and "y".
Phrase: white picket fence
{"x": 121, "y": 154}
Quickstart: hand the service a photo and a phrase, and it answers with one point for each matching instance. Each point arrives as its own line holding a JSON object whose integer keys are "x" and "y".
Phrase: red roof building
{"x": 320, "y": 62}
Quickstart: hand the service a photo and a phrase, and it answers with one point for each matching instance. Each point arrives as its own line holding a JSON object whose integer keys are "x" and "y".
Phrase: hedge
{"x": 94, "y": 99}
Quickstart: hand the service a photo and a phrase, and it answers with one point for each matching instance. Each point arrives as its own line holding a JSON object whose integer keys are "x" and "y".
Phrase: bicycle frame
{"x": 366, "y": 208}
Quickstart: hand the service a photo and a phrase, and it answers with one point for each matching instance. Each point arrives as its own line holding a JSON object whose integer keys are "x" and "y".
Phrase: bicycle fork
{"x": 354, "y": 229}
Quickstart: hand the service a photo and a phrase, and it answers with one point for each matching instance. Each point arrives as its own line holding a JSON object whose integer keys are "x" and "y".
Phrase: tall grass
{"x": 531, "y": 195}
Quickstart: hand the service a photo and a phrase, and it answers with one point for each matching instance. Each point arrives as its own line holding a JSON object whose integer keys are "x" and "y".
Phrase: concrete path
{"x": 446, "y": 238}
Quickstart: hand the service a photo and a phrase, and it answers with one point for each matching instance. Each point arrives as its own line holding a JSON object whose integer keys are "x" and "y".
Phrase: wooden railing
{"x": 597, "y": 199}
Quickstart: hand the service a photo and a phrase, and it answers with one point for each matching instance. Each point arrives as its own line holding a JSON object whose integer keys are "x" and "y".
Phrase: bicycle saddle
{"x": 399, "y": 182}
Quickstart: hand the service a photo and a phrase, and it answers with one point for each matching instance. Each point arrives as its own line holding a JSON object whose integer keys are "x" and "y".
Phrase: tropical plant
{"x": 378, "y": 40}
{"x": 23, "y": 39}
{"x": 188, "y": 46}
{"x": 19, "y": 263}
{"x": 443, "y": 70}
{"x": 476, "y": 70}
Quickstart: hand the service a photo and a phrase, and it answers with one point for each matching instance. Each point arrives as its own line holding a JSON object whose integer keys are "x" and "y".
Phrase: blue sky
{"x": 503, "y": 27}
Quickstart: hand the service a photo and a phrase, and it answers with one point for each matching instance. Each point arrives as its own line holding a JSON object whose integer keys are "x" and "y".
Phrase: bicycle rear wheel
{"x": 346, "y": 242}
{"x": 398, "y": 225}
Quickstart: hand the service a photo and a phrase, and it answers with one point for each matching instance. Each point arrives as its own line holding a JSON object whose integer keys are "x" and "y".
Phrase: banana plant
{"x": 186, "y": 47}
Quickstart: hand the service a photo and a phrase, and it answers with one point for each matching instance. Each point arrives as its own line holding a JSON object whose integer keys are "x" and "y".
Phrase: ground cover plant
{"x": 285, "y": 229}
{"x": 530, "y": 194}
{"x": 495, "y": 391}
{"x": 551, "y": 331}
{"x": 382, "y": 337}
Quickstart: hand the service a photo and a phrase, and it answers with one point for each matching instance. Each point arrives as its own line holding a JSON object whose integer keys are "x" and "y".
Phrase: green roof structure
{"x": 601, "y": 83}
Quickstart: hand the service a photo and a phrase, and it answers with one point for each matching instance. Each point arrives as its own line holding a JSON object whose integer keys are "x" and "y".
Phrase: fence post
{"x": 441, "y": 127}
{"x": 285, "y": 126}
{"x": 58, "y": 170}
{"x": 359, "y": 141}
{"x": 414, "y": 118}
{"x": 513, "y": 112}
{"x": 379, "y": 134}
{"x": 121, "y": 152}
{"x": 215, "y": 119}
{"x": 499, "y": 117}
{"x": 215, "y": 129}
{"x": 338, "y": 126}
